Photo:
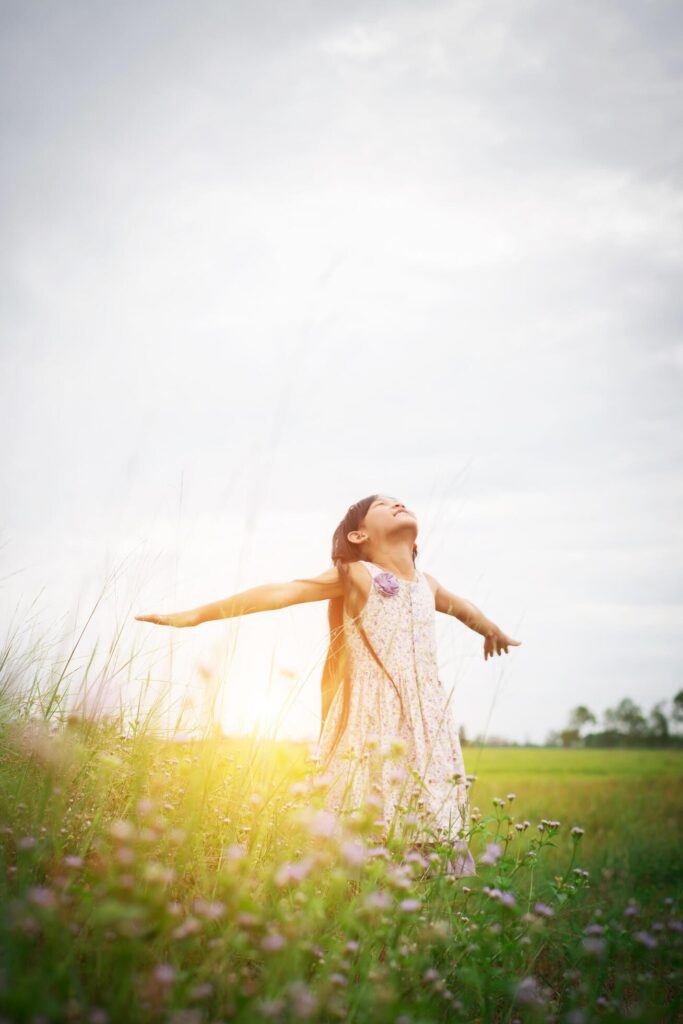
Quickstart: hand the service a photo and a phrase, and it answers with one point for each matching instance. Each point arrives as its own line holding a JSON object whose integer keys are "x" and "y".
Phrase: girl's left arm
{"x": 495, "y": 640}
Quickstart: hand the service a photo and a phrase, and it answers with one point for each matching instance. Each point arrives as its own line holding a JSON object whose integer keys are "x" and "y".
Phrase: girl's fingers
{"x": 498, "y": 645}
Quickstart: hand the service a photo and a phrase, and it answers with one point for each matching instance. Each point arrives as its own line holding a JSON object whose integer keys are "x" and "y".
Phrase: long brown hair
{"x": 335, "y": 670}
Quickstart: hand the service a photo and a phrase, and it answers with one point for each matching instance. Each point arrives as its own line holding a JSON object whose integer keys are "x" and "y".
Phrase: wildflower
{"x": 338, "y": 979}
{"x": 352, "y": 946}
{"x": 324, "y": 824}
{"x": 26, "y": 843}
{"x": 98, "y": 1016}
{"x": 507, "y": 899}
{"x": 492, "y": 854}
{"x": 42, "y": 896}
{"x": 304, "y": 1002}
{"x": 155, "y": 872}
{"x": 511, "y": 796}
{"x": 543, "y": 909}
{"x": 293, "y": 872}
{"x": 594, "y": 929}
{"x": 354, "y": 852}
{"x": 72, "y": 861}
{"x": 529, "y": 992}
{"x": 190, "y": 926}
{"x": 577, "y": 832}
{"x": 271, "y": 1007}
{"x": 498, "y": 802}
{"x": 145, "y": 806}
{"x": 576, "y": 1016}
{"x": 122, "y": 830}
{"x": 410, "y": 905}
{"x": 399, "y": 875}
{"x": 202, "y": 991}
{"x": 210, "y": 910}
{"x": 377, "y": 900}
{"x": 164, "y": 974}
{"x": 647, "y": 940}
{"x": 631, "y": 909}
{"x": 271, "y": 943}
{"x": 234, "y": 852}
{"x": 594, "y": 946}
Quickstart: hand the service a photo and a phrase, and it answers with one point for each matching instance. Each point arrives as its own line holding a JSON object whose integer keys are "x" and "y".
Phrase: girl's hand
{"x": 496, "y": 642}
{"x": 172, "y": 619}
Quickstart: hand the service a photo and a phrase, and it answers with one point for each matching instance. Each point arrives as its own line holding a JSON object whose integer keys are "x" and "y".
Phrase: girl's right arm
{"x": 264, "y": 598}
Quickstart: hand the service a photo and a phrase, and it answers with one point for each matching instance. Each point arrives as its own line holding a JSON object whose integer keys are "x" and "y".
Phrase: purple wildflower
{"x": 543, "y": 909}
{"x": 645, "y": 939}
{"x": 491, "y": 854}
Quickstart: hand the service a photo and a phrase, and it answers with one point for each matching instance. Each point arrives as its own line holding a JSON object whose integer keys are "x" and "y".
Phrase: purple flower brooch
{"x": 386, "y": 583}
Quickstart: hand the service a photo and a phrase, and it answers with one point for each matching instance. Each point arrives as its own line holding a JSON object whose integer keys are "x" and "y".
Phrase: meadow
{"x": 205, "y": 881}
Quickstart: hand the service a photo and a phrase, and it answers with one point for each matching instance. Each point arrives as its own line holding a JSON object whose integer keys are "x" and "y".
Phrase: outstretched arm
{"x": 495, "y": 640}
{"x": 263, "y": 598}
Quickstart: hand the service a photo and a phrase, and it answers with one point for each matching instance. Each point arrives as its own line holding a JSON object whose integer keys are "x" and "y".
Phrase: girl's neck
{"x": 400, "y": 563}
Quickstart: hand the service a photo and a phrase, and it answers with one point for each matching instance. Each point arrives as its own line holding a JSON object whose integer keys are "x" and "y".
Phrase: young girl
{"x": 387, "y": 731}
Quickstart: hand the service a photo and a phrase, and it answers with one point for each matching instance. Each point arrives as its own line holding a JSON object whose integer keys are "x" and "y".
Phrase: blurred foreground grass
{"x": 205, "y": 882}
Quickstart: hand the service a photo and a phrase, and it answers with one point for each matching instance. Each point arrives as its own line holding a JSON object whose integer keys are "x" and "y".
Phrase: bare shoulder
{"x": 433, "y": 583}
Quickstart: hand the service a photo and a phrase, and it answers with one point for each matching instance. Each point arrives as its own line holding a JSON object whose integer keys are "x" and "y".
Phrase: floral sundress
{"x": 408, "y": 717}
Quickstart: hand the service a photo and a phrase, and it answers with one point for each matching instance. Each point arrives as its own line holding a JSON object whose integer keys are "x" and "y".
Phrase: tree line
{"x": 625, "y": 725}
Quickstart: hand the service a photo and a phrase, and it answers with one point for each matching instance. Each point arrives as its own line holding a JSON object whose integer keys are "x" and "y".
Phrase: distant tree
{"x": 677, "y": 707}
{"x": 569, "y": 737}
{"x": 659, "y": 723}
{"x": 581, "y": 716}
{"x": 553, "y": 739}
{"x": 626, "y": 718}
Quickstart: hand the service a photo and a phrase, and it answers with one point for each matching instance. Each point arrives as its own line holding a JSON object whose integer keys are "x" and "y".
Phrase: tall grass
{"x": 205, "y": 880}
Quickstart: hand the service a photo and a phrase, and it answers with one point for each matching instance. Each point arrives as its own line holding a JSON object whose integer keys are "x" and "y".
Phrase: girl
{"x": 387, "y": 738}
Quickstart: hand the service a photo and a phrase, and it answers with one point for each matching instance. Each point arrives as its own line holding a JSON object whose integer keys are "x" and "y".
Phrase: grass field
{"x": 206, "y": 882}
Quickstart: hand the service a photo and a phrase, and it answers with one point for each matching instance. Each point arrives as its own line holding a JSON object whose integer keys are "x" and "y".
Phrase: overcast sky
{"x": 261, "y": 260}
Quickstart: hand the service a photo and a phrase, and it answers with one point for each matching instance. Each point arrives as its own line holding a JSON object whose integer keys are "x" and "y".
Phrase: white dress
{"x": 424, "y": 776}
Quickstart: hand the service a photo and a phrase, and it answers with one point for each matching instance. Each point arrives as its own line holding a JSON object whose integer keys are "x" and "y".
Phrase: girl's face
{"x": 387, "y": 517}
